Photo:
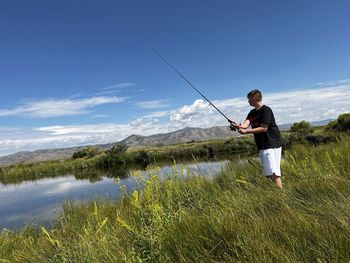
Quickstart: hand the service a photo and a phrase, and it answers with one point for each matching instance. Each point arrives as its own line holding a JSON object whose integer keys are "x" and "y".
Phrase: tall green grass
{"x": 237, "y": 216}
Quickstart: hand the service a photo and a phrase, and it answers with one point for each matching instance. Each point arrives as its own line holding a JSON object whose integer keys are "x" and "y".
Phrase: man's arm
{"x": 256, "y": 130}
{"x": 245, "y": 124}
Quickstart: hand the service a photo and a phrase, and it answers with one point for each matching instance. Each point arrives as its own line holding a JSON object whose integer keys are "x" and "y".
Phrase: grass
{"x": 238, "y": 216}
{"x": 20, "y": 172}
{"x": 17, "y": 173}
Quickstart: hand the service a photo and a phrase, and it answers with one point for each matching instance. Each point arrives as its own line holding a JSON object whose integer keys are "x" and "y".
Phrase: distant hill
{"x": 181, "y": 136}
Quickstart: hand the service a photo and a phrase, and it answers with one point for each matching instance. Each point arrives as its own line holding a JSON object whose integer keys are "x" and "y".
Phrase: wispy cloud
{"x": 153, "y": 104}
{"x": 325, "y": 102}
{"x": 116, "y": 88}
{"x": 158, "y": 114}
{"x": 58, "y": 107}
{"x": 120, "y": 86}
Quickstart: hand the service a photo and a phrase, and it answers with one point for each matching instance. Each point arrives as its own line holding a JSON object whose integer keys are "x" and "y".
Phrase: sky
{"x": 83, "y": 72}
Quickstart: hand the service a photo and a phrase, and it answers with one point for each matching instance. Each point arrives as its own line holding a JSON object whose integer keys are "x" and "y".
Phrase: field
{"x": 237, "y": 216}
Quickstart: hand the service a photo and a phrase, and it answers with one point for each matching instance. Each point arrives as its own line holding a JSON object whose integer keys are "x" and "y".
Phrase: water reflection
{"x": 38, "y": 202}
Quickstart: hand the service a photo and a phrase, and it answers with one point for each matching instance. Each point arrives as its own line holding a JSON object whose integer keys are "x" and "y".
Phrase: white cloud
{"x": 326, "y": 102}
{"x": 157, "y": 114}
{"x": 55, "y": 107}
{"x": 120, "y": 86}
{"x": 68, "y": 136}
{"x": 153, "y": 104}
{"x": 116, "y": 88}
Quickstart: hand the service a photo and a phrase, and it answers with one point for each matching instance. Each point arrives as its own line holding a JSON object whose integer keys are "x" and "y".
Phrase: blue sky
{"x": 83, "y": 72}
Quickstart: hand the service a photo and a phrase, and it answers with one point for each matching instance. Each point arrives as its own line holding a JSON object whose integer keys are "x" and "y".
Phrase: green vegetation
{"x": 303, "y": 133}
{"x": 114, "y": 157}
{"x": 87, "y": 152}
{"x": 302, "y": 128}
{"x": 238, "y": 216}
{"x": 341, "y": 124}
{"x": 206, "y": 149}
{"x": 30, "y": 171}
{"x": 121, "y": 158}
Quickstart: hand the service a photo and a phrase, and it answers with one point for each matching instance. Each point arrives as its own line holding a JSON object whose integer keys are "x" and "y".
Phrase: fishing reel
{"x": 233, "y": 126}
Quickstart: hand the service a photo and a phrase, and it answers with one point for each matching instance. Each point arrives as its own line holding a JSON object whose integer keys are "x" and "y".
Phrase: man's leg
{"x": 271, "y": 159}
{"x": 277, "y": 180}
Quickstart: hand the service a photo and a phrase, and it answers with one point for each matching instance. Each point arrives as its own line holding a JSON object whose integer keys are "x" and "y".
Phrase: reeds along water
{"x": 120, "y": 158}
{"x": 239, "y": 216}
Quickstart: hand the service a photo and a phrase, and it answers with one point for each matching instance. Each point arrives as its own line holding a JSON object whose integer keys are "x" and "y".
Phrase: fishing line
{"x": 200, "y": 93}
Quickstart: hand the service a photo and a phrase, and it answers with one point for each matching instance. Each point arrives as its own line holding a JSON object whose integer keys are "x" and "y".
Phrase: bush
{"x": 341, "y": 124}
{"x": 318, "y": 139}
{"x": 143, "y": 158}
{"x": 331, "y": 126}
{"x": 88, "y": 152}
{"x": 302, "y": 128}
{"x": 116, "y": 156}
{"x": 117, "y": 149}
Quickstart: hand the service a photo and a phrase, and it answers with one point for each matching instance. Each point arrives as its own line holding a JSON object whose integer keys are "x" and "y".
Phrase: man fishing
{"x": 266, "y": 134}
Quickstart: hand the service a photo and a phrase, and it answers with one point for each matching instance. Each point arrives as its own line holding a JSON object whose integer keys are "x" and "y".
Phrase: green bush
{"x": 114, "y": 157}
{"x": 302, "y": 128}
{"x": 87, "y": 152}
{"x": 143, "y": 158}
{"x": 331, "y": 126}
{"x": 341, "y": 124}
{"x": 318, "y": 139}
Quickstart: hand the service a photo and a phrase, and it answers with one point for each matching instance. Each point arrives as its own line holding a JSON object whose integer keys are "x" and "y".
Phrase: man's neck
{"x": 259, "y": 105}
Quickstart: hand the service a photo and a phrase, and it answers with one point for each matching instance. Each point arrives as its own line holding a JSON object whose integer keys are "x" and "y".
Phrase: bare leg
{"x": 277, "y": 180}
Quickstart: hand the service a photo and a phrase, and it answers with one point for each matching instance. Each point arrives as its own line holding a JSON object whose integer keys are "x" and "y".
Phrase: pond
{"x": 39, "y": 202}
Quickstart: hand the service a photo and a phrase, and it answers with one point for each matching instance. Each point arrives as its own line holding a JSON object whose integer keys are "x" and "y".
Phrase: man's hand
{"x": 242, "y": 131}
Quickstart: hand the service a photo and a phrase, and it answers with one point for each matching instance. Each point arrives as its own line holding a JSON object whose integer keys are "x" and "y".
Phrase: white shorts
{"x": 271, "y": 161}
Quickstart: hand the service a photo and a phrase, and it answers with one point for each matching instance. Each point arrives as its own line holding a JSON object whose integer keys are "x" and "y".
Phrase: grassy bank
{"x": 16, "y": 173}
{"x": 238, "y": 216}
{"x": 122, "y": 160}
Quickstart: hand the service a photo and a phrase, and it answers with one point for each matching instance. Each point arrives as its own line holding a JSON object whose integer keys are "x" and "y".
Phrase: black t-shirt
{"x": 271, "y": 138}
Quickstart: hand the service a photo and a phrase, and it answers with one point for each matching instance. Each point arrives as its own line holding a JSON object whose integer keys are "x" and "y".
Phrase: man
{"x": 266, "y": 134}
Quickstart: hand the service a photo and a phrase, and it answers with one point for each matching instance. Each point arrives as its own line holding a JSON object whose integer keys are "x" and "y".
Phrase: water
{"x": 39, "y": 202}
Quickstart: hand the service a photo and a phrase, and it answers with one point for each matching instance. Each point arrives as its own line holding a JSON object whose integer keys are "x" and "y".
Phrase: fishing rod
{"x": 233, "y": 124}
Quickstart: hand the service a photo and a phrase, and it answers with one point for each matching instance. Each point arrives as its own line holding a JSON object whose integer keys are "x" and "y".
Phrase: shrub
{"x": 317, "y": 139}
{"x": 116, "y": 156}
{"x": 87, "y": 152}
{"x": 302, "y": 128}
{"x": 341, "y": 124}
{"x": 331, "y": 126}
{"x": 143, "y": 158}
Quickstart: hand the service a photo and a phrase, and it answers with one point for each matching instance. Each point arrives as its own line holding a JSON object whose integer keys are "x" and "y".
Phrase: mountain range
{"x": 181, "y": 136}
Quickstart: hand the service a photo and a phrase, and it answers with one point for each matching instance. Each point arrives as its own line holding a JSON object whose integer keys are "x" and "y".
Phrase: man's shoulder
{"x": 266, "y": 108}
{"x": 252, "y": 112}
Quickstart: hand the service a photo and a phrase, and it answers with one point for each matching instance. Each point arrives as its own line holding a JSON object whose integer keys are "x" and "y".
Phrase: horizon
{"x": 84, "y": 73}
{"x": 188, "y": 127}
